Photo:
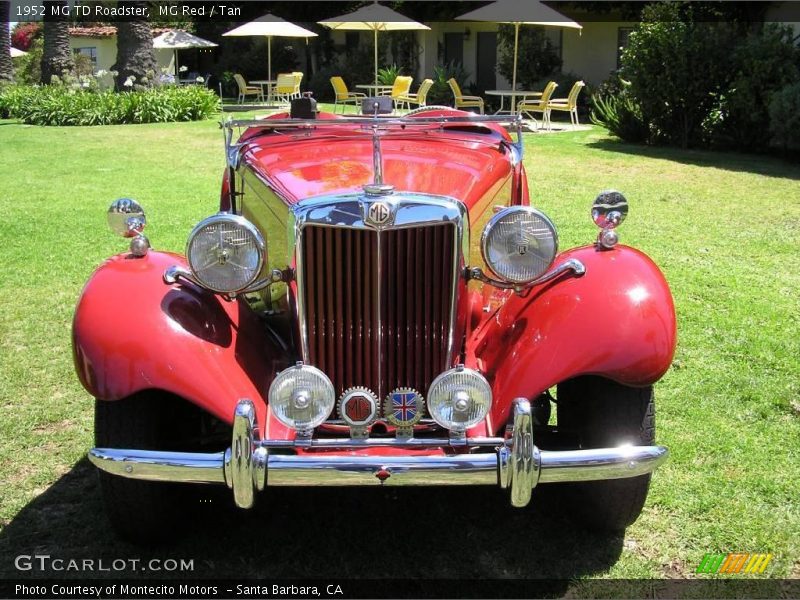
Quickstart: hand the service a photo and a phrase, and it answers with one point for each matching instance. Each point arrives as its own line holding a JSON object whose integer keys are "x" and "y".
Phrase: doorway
{"x": 486, "y": 76}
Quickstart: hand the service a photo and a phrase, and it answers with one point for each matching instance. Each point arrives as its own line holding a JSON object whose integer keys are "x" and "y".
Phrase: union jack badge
{"x": 403, "y": 408}
{"x": 358, "y": 407}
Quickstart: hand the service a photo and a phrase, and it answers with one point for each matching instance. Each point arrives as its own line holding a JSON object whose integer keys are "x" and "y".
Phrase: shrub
{"x": 65, "y": 105}
{"x": 440, "y": 92}
{"x": 387, "y": 75}
{"x": 320, "y": 83}
{"x": 23, "y": 35}
{"x": 678, "y": 67}
{"x": 784, "y": 117}
{"x": 537, "y": 57}
{"x": 29, "y": 67}
{"x": 764, "y": 63}
{"x": 618, "y": 112}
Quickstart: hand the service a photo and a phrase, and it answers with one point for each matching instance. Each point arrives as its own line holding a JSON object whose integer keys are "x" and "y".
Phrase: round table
{"x": 265, "y": 82}
{"x": 378, "y": 88}
{"x": 523, "y": 94}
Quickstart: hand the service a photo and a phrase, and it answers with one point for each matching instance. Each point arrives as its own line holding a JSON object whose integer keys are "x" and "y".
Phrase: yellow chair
{"x": 298, "y": 77}
{"x": 286, "y": 87}
{"x": 419, "y": 98}
{"x": 463, "y": 101}
{"x": 246, "y": 90}
{"x": 569, "y": 104}
{"x": 541, "y": 104}
{"x": 400, "y": 87}
{"x": 344, "y": 96}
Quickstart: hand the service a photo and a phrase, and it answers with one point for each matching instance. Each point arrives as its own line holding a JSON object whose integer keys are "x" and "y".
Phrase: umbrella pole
{"x": 175, "y": 56}
{"x": 376, "y": 59}
{"x": 269, "y": 69}
{"x": 514, "y": 77}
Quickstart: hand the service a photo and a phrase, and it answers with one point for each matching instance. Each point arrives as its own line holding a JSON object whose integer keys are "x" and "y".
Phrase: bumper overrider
{"x": 513, "y": 463}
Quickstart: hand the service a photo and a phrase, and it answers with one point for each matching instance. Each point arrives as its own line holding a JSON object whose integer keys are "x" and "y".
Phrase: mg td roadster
{"x": 377, "y": 302}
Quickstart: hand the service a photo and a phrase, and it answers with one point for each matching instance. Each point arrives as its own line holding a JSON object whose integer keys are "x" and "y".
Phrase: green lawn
{"x": 725, "y": 228}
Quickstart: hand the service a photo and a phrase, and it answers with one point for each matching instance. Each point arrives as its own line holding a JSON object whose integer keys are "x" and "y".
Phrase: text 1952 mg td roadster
{"x": 375, "y": 303}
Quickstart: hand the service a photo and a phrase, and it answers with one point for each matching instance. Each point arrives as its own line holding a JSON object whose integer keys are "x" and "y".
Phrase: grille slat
{"x": 347, "y": 304}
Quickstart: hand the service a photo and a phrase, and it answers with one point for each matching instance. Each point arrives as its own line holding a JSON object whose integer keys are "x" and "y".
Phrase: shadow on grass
{"x": 759, "y": 164}
{"x": 439, "y": 533}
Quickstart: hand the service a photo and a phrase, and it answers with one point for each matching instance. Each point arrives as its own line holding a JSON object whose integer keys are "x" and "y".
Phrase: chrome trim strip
{"x": 600, "y": 463}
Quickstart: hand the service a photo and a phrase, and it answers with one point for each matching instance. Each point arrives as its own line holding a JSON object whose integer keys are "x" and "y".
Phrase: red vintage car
{"x": 375, "y": 303}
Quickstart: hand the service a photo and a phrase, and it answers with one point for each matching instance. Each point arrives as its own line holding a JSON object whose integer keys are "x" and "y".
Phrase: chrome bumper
{"x": 249, "y": 465}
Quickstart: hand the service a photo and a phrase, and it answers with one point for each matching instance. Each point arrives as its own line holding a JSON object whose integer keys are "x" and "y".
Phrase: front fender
{"x": 616, "y": 321}
{"x": 133, "y": 332}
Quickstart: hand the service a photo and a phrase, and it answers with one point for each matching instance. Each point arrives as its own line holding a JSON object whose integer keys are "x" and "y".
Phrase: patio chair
{"x": 541, "y": 104}
{"x": 298, "y": 78}
{"x": 344, "y": 96}
{"x": 419, "y": 98}
{"x": 287, "y": 86}
{"x": 462, "y": 101}
{"x": 401, "y": 87}
{"x": 246, "y": 90}
{"x": 568, "y": 104}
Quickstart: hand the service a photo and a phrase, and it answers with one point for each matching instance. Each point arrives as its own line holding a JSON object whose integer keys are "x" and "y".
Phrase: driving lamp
{"x": 459, "y": 399}
{"x": 301, "y": 397}
{"x": 226, "y": 253}
{"x": 519, "y": 244}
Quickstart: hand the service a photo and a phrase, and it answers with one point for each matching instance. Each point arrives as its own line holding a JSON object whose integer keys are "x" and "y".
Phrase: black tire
{"x": 603, "y": 413}
{"x": 142, "y": 512}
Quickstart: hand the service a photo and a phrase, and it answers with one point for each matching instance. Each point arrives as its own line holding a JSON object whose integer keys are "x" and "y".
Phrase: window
{"x": 622, "y": 42}
{"x": 89, "y": 51}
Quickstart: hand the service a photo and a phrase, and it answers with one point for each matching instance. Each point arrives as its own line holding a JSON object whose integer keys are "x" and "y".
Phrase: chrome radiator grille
{"x": 378, "y": 305}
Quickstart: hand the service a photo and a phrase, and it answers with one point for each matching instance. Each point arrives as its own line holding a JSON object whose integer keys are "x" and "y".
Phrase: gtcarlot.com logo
{"x": 45, "y": 562}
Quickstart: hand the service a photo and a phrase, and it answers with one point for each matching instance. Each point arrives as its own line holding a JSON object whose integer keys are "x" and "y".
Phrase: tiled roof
{"x": 100, "y": 31}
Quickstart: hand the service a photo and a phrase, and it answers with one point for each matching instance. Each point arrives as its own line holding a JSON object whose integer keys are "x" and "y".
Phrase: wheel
{"x": 602, "y": 413}
{"x": 145, "y": 512}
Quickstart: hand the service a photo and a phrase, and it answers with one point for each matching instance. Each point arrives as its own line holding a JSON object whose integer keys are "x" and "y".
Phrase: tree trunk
{"x": 6, "y": 68}
{"x": 57, "y": 55}
{"x": 136, "y": 59}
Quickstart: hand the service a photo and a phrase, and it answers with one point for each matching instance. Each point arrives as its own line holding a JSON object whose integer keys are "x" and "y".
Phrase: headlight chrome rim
{"x": 434, "y": 406}
{"x": 499, "y": 218}
{"x": 249, "y": 228}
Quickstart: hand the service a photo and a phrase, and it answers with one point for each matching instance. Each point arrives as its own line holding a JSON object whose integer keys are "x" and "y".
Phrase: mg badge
{"x": 358, "y": 407}
{"x": 379, "y": 213}
{"x": 403, "y": 408}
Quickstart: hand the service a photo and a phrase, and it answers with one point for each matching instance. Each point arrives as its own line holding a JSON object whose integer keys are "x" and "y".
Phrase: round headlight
{"x": 226, "y": 253}
{"x": 519, "y": 244}
{"x": 459, "y": 398}
{"x": 301, "y": 397}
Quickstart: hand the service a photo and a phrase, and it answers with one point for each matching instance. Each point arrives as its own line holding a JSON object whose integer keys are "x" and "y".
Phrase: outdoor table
{"x": 377, "y": 89}
{"x": 513, "y": 95}
{"x": 264, "y": 82}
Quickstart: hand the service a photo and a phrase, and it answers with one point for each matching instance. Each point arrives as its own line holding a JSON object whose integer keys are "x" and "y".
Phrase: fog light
{"x": 301, "y": 397}
{"x": 459, "y": 399}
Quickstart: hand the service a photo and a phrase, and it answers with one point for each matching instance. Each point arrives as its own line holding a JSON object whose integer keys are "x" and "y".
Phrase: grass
{"x": 725, "y": 228}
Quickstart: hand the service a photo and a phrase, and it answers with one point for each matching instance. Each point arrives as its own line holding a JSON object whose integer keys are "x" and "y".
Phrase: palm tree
{"x": 135, "y": 55}
{"x": 57, "y": 56}
{"x": 6, "y": 68}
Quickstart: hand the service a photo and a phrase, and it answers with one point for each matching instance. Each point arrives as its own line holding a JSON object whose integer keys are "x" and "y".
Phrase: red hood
{"x": 457, "y": 163}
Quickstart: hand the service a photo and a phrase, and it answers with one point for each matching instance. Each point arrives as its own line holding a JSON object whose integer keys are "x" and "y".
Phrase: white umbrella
{"x": 270, "y": 26}
{"x": 17, "y": 53}
{"x": 529, "y": 12}
{"x": 177, "y": 40}
{"x": 375, "y": 18}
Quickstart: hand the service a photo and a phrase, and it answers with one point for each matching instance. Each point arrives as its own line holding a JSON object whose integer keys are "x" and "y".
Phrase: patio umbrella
{"x": 530, "y": 12}
{"x": 177, "y": 40}
{"x": 17, "y": 53}
{"x": 375, "y": 18}
{"x": 270, "y": 26}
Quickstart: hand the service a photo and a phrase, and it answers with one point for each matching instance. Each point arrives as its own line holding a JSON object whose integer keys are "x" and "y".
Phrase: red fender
{"x": 133, "y": 332}
{"x": 616, "y": 321}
